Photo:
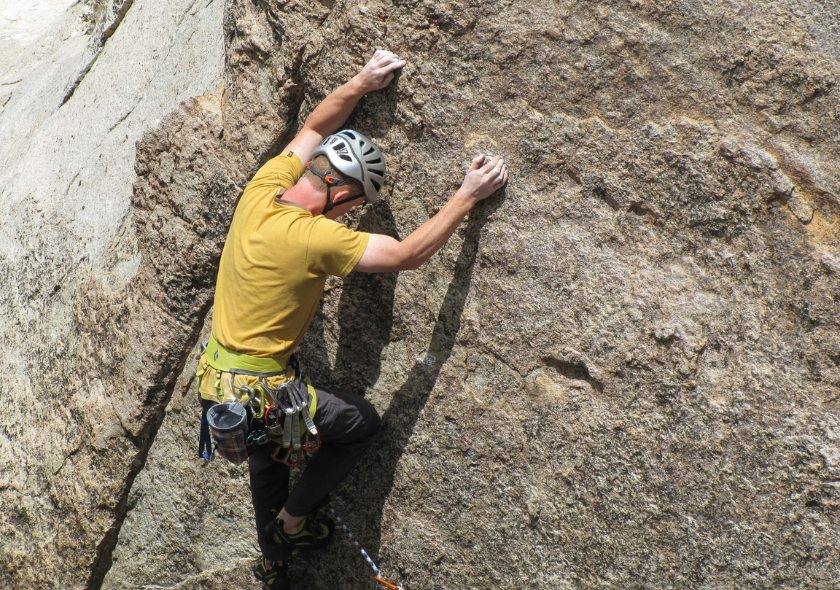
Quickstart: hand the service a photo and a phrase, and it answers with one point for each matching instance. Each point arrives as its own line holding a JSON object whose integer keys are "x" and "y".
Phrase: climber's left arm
{"x": 333, "y": 111}
{"x": 386, "y": 254}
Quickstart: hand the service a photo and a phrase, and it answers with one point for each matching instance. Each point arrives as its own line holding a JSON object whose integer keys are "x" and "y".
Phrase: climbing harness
{"x": 282, "y": 414}
{"x": 205, "y": 446}
{"x": 377, "y": 575}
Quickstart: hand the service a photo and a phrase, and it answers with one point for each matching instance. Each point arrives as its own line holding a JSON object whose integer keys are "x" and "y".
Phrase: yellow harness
{"x": 245, "y": 370}
{"x": 266, "y": 385}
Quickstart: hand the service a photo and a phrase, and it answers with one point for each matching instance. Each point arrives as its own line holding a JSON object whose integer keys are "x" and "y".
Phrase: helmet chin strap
{"x": 331, "y": 181}
{"x": 330, "y": 205}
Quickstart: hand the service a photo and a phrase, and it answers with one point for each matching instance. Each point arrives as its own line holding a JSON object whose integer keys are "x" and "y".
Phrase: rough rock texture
{"x": 622, "y": 372}
{"x": 71, "y": 109}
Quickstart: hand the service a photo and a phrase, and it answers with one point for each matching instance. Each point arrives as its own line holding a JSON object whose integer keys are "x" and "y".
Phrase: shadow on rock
{"x": 366, "y": 316}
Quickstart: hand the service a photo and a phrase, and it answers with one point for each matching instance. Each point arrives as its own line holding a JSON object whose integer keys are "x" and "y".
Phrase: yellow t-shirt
{"x": 274, "y": 265}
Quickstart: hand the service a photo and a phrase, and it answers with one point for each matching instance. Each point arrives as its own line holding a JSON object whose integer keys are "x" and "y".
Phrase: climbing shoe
{"x": 276, "y": 578}
{"x": 314, "y": 533}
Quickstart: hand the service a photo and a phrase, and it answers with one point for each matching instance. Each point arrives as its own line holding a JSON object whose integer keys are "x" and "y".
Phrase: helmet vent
{"x": 355, "y": 156}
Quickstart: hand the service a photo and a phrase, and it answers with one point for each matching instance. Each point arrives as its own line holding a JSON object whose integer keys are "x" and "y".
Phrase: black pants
{"x": 348, "y": 425}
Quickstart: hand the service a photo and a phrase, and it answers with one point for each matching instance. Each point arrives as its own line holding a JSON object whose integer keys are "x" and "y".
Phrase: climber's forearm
{"x": 334, "y": 110}
{"x": 386, "y": 254}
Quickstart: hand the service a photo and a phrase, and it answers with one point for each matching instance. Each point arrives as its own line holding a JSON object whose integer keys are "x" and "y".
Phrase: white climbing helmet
{"x": 356, "y": 156}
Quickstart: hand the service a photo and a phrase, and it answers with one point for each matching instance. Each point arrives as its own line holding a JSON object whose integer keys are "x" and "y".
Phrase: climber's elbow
{"x": 385, "y": 254}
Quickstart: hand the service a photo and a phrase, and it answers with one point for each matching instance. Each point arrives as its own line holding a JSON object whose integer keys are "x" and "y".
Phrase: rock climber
{"x": 282, "y": 244}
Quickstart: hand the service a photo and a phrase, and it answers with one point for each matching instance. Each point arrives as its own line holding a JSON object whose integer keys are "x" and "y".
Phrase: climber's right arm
{"x": 386, "y": 254}
{"x": 333, "y": 111}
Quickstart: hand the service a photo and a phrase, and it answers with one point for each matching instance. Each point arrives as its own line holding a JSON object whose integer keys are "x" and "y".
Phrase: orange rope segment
{"x": 388, "y": 584}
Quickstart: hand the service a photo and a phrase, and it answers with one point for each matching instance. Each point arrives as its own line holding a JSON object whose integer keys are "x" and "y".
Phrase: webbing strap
{"x": 287, "y": 431}
{"x": 224, "y": 359}
{"x": 205, "y": 446}
{"x": 295, "y": 429}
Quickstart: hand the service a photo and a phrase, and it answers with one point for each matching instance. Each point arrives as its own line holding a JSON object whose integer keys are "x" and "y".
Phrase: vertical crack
{"x": 103, "y": 560}
{"x": 118, "y": 19}
{"x": 105, "y": 550}
{"x": 100, "y": 43}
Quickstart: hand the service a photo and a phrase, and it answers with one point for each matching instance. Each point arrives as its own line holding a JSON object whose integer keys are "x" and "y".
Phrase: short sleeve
{"x": 334, "y": 249}
{"x": 282, "y": 171}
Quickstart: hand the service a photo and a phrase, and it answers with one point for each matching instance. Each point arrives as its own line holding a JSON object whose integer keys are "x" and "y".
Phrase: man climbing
{"x": 282, "y": 244}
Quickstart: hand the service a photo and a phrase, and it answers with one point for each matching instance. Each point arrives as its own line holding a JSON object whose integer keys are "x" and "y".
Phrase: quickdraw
{"x": 290, "y": 459}
{"x": 282, "y": 409}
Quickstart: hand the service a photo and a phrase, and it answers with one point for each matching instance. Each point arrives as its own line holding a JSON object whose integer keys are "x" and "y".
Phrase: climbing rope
{"x": 377, "y": 576}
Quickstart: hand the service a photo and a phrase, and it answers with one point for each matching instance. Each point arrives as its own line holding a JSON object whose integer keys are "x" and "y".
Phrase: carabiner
{"x": 273, "y": 420}
{"x": 308, "y": 445}
{"x": 257, "y": 438}
{"x": 268, "y": 390}
{"x": 252, "y": 394}
{"x": 267, "y": 415}
{"x": 287, "y": 460}
{"x": 260, "y": 411}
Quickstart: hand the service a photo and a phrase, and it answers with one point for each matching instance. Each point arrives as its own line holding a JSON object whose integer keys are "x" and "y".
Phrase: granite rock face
{"x": 72, "y": 108}
{"x": 622, "y": 372}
